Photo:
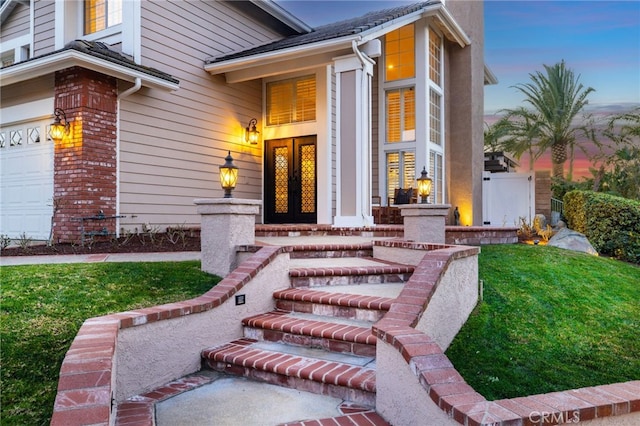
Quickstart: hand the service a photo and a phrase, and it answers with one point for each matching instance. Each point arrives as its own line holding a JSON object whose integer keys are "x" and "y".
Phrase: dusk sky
{"x": 600, "y": 40}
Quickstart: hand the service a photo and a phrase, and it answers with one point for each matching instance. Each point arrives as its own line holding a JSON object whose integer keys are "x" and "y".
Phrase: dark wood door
{"x": 290, "y": 180}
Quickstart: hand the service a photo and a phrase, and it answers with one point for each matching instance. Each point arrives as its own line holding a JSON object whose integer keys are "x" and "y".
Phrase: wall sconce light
{"x": 58, "y": 129}
{"x": 424, "y": 186}
{"x": 252, "y": 135}
{"x": 228, "y": 176}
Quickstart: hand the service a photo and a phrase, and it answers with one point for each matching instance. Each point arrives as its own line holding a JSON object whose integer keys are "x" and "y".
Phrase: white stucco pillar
{"x": 425, "y": 222}
{"x": 353, "y": 140}
{"x": 226, "y": 223}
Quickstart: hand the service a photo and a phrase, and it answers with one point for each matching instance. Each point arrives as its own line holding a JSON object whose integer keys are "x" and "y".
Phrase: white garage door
{"x": 26, "y": 181}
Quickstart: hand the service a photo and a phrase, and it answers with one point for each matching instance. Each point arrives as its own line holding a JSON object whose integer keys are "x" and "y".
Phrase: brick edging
{"x": 448, "y": 389}
{"x": 85, "y": 392}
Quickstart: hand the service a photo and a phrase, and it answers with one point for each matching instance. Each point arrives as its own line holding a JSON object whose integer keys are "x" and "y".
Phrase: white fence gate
{"x": 506, "y": 197}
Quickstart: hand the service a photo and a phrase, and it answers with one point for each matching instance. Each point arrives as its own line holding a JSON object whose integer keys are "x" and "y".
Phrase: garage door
{"x": 26, "y": 181}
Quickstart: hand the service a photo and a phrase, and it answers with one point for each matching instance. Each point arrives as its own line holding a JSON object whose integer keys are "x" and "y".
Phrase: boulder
{"x": 569, "y": 239}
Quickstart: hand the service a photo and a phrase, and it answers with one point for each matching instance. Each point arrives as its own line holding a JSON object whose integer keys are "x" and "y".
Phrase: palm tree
{"x": 522, "y": 130}
{"x": 556, "y": 98}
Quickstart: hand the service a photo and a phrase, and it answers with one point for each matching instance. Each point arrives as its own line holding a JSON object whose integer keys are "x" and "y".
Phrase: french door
{"x": 290, "y": 180}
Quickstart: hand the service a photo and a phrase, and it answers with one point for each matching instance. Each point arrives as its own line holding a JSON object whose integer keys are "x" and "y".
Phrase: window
{"x": 101, "y": 14}
{"x": 435, "y": 172}
{"x": 399, "y": 56}
{"x": 434, "y": 57}
{"x": 401, "y": 170}
{"x": 291, "y": 101}
{"x": 435, "y": 118}
{"x": 401, "y": 115}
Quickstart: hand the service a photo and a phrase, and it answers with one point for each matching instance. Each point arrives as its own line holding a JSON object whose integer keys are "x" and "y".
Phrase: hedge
{"x": 612, "y": 224}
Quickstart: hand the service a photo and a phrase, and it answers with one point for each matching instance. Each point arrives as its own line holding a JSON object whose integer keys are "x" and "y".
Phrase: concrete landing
{"x": 239, "y": 401}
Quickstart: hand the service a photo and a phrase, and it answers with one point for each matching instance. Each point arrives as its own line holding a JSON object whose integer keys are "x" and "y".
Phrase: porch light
{"x": 58, "y": 129}
{"x": 228, "y": 176}
{"x": 252, "y": 134}
{"x": 424, "y": 186}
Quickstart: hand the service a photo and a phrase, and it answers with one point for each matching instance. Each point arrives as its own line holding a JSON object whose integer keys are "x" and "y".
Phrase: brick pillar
{"x": 84, "y": 180}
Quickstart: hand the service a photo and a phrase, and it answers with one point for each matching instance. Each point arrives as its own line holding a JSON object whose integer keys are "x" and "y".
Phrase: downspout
{"x": 136, "y": 86}
{"x": 366, "y": 62}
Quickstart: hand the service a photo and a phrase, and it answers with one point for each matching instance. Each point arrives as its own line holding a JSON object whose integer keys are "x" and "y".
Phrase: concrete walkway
{"x": 100, "y": 257}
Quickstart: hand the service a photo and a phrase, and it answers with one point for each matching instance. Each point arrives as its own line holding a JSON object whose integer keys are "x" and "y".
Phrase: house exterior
{"x": 157, "y": 93}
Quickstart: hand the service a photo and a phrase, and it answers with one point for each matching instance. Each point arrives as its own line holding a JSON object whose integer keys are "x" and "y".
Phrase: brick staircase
{"x": 318, "y": 339}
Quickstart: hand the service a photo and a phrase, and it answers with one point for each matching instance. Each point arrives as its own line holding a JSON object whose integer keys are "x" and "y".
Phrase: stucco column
{"x": 226, "y": 223}
{"x": 353, "y": 151}
{"x": 425, "y": 222}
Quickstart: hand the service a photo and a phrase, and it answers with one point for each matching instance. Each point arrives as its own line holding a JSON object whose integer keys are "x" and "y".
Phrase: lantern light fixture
{"x": 228, "y": 176}
{"x": 58, "y": 129}
{"x": 252, "y": 135}
{"x": 424, "y": 186}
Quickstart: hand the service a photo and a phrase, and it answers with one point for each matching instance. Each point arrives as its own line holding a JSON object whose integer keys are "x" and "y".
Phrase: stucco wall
{"x": 152, "y": 354}
{"x": 452, "y": 302}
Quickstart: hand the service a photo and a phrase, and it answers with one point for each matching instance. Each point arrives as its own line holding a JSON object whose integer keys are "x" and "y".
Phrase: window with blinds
{"x": 401, "y": 115}
{"x": 435, "y": 53}
{"x": 291, "y": 101}
{"x": 435, "y": 172}
{"x": 435, "y": 118}
{"x": 101, "y": 14}
{"x": 401, "y": 170}
{"x": 399, "y": 58}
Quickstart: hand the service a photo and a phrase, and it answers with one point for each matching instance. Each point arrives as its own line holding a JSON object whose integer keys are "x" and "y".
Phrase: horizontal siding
{"x": 17, "y": 24}
{"x": 44, "y": 33}
{"x": 27, "y": 91}
{"x": 171, "y": 144}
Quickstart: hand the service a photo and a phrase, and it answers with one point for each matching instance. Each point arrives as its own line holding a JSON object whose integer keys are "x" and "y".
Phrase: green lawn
{"x": 551, "y": 320}
{"x": 43, "y": 307}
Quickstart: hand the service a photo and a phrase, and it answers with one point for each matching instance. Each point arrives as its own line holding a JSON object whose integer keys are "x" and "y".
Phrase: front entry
{"x": 290, "y": 180}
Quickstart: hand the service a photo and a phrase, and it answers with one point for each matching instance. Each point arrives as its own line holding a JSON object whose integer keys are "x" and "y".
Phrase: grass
{"x": 551, "y": 320}
{"x": 42, "y": 307}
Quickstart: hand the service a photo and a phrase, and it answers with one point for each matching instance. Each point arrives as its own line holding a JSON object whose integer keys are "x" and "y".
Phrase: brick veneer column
{"x": 85, "y": 161}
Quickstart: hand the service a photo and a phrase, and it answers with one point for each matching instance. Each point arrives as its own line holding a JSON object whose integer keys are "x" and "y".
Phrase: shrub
{"x": 612, "y": 224}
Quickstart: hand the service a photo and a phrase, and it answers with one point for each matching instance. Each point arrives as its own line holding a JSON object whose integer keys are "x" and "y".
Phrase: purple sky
{"x": 599, "y": 40}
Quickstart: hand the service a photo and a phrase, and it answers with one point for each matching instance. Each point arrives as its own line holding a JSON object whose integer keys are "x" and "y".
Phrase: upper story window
{"x": 401, "y": 115}
{"x": 101, "y": 14}
{"x": 435, "y": 55}
{"x": 291, "y": 101}
{"x": 399, "y": 54}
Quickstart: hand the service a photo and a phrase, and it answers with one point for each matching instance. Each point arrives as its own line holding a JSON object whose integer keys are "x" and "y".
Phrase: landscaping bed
{"x": 133, "y": 243}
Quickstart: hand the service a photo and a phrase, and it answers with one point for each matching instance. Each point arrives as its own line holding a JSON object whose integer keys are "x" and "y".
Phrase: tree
{"x": 556, "y": 99}
{"x": 519, "y": 132}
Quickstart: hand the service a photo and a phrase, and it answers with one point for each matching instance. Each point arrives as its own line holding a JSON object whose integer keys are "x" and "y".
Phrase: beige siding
{"x": 44, "y": 34}
{"x": 171, "y": 144}
{"x": 17, "y": 24}
{"x": 27, "y": 91}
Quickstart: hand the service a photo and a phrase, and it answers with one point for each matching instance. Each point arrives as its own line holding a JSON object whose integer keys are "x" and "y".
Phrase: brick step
{"x": 341, "y": 305}
{"x": 331, "y": 251}
{"x": 350, "y": 378}
{"x": 373, "y": 273}
{"x": 312, "y": 331}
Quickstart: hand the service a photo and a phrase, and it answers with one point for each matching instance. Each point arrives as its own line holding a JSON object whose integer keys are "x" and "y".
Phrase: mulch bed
{"x": 134, "y": 244}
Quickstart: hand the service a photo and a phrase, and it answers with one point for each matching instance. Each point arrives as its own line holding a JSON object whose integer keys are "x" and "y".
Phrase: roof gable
{"x": 345, "y": 28}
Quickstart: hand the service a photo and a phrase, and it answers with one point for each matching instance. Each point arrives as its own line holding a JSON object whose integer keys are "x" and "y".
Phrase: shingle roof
{"x": 345, "y": 28}
{"x": 102, "y": 51}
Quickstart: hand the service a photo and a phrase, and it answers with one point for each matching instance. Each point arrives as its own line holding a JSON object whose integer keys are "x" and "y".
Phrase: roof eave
{"x": 282, "y": 15}
{"x": 489, "y": 77}
{"x": 281, "y": 55}
{"x": 70, "y": 58}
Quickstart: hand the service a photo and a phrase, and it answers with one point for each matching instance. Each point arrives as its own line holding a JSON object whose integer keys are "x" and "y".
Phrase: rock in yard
{"x": 569, "y": 239}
